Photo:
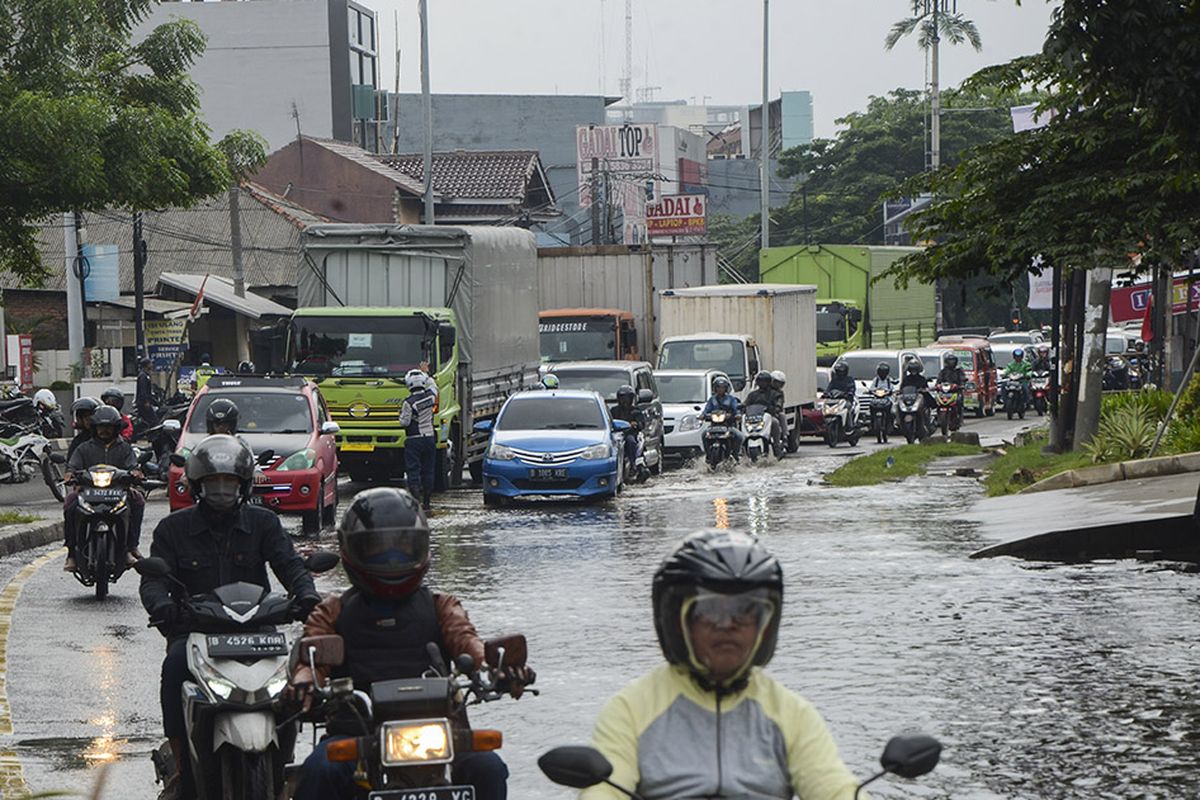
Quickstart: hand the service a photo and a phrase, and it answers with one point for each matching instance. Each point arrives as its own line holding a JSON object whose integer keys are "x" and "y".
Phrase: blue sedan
{"x": 556, "y": 444}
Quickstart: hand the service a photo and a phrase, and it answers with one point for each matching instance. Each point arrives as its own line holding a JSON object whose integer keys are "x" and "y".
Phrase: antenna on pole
{"x": 627, "y": 78}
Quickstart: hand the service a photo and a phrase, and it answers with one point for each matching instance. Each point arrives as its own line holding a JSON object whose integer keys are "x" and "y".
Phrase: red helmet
{"x": 384, "y": 540}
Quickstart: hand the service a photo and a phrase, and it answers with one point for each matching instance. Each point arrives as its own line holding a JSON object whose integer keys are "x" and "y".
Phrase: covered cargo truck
{"x": 379, "y": 300}
{"x": 854, "y": 309}
{"x": 618, "y": 279}
{"x": 741, "y": 329}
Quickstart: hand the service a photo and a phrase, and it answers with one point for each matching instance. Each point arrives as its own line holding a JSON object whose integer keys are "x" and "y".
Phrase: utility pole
{"x": 74, "y": 288}
{"x": 627, "y": 78}
{"x": 595, "y": 200}
{"x": 235, "y": 240}
{"x": 1091, "y": 373}
{"x": 396, "y": 109}
{"x": 765, "y": 134}
{"x": 427, "y": 104}
{"x": 935, "y": 100}
{"x": 81, "y": 272}
{"x": 139, "y": 285}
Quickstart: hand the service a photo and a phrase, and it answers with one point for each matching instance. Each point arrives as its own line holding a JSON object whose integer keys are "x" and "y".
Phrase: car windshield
{"x": 358, "y": 346}
{"x": 728, "y": 356}
{"x": 604, "y": 381}
{"x": 932, "y": 362}
{"x": 550, "y": 413}
{"x": 576, "y": 339}
{"x": 681, "y": 388}
{"x": 261, "y": 412}
{"x": 831, "y": 326}
{"x": 862, "y": 366}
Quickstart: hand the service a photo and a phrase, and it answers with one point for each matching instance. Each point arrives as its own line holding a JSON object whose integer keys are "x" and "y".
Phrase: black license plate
{"x": 241, "y": 645}
{"x": 430, "y": 793}
{"x": 549, "y": 473}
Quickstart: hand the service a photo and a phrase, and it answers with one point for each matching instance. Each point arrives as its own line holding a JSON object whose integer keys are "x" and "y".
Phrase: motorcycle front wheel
{"x": 246, "y": 776}
{"x": 832, "y": 433}
{"x": 910, "y": 431}
{"x": 944, "y": 422}
{"x": 101, "y": 570}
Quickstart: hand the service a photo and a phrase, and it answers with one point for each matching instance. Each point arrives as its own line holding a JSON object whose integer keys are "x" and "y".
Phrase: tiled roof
{"x": 192, "y": 240}
{"x": 508, "y": 175}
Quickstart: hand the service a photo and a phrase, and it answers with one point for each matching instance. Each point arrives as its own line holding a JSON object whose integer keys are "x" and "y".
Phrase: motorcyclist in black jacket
{"x": 626, "y": 409}
{"x": 914, "y": 375}
{"x": 220, "y": 540}
{"x": 765, "y": 394}
{"x": 840, "y": 380}
{"x": 951, "y": 372}
{"x": 81, "y": 415}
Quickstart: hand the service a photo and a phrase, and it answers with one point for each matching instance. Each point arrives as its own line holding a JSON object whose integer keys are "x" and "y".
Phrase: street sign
{"x": 166, "y": 340}
{"x": 678, "y": 215}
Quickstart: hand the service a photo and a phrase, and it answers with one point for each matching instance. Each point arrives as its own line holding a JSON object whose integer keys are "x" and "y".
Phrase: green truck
{"x": 380, "y": 300}
{"x": 854, "y": 309}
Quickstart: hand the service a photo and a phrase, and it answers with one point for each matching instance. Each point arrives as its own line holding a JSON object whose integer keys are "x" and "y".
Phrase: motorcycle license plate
{"x": 548, "y": 474}
{"x": 240, "y": 645}
{"x": 431, "y": 793}
{"x": 104, "y": 495}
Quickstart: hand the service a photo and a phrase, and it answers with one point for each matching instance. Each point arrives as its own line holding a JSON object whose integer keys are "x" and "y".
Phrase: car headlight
{"x": 597, "y": 451}
{"x": 689, "y": 423}
{"x": 501, "y": 453}
{"x": 418, "y": 741}
{"x": 302, "y": 459}
{"x": 217, "y": 683}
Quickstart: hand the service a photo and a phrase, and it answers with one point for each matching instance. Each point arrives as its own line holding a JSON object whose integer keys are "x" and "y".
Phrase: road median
{"x": 1121, "y": 471}
{"x": 29, "y": 535}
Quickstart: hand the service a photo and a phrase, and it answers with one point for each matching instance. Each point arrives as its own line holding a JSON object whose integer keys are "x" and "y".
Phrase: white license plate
{"x": 431, "y": 793}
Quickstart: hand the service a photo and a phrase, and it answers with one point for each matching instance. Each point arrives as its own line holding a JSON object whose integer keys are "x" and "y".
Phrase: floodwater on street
{"x": 1042, "y": 681}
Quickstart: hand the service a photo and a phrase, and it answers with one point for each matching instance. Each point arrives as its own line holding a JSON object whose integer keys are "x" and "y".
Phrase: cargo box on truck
{"x": 741, "y": 329}
{"x": 855, "y": 308}
{"x": 379, "y": 300}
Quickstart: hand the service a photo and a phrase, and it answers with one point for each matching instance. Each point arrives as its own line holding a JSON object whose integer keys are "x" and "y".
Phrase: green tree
{"x": 953, "y": 27}
{"x": 91, "y": 120}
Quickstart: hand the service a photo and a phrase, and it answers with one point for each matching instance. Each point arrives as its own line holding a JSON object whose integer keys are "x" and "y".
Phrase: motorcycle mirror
{"x": 512, "y": 650}
{"x": 152, "y": 567}
{"x": 322, "y": 651}
{"x": 465, "y": 663}
{"x": 266, "y": 457}
{"x": 911, "y": 756}
{"x": 172, "y": 425}
{"x": 575, "y": 766}
{"x": 58, "y": 458}
{"x": 620, "y": 425}
{"x": 645, "y": 396}
{"x": 178, "y": 460}
{"x": 321, "y": 561}
{"x": 145, "y": 456}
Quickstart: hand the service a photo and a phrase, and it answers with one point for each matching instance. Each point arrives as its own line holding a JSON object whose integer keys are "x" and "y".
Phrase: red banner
{"x": 25, "y": 373}
{"x": 1130, "y": 302}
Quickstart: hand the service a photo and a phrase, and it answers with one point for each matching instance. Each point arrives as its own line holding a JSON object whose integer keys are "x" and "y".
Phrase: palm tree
{"x": 934, "y": 20}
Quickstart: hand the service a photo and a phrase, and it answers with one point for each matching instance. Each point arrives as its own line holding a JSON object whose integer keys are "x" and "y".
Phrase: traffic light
{"x": 1016, "y": 318}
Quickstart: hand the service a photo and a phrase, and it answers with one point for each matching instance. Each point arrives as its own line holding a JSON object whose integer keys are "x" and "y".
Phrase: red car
{"x": 288, "y": 417}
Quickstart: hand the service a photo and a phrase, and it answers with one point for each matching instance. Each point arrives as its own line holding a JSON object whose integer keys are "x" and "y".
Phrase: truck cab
{"x": 736, "y": 355}
{"x": 587, "y": 334}
{"x": 839, "y": 329}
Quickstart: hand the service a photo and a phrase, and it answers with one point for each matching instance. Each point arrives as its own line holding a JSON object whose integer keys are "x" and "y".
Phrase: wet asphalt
{"x": 1041, "y": 680}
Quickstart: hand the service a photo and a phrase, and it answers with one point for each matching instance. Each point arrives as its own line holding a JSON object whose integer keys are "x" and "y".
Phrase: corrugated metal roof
{"x": 192, "y": 240}
{"x": 219, "y": 290}
{"x": 499, "y": 175}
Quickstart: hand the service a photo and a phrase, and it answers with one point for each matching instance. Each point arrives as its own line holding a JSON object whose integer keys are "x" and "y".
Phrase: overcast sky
{"x": 691, "y": 48}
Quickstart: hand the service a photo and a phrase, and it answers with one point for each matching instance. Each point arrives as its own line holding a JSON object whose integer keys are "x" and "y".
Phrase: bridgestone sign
{"x": 678, "y": 215}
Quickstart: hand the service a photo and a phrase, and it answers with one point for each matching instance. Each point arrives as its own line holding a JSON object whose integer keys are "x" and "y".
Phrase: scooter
{"x": 759, "y": 427}
{"x": 879, "y": 404}
{"x": 949, "y": 411}
{"x": 840, "y": 422}
{"x": 21, "y": 456}
{"x": 911, "y": 411}
{"x": 581, "y": 767}
{"x": 410, "y": 729}
{"x": 718, "y": 440}
{"x": 1039, "y": 387}
{"x": 238, "y": 736}
{"x": 1014, "y": 398}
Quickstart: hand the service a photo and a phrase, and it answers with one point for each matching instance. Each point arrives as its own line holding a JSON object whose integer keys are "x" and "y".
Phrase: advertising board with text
{"x": 627, "y": 157}
{"x": 678, "y": 215}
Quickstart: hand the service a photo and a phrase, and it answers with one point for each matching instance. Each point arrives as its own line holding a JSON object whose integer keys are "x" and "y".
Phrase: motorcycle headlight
{"x": 689, "y": 423}
{"x": 302, "y": 459}
{"x": 101, "y": 479}
{"x": 597, "y": 451}
{"x": 278, "y": 681}
{"x": 424, "y": 741}
{"x": 501, "y": 453}
{"x": 970, "y": 386}
{"x": 85, "y": 505}
{"x": 217, "y": 683}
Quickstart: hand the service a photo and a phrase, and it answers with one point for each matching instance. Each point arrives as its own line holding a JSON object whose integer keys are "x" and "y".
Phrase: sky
{"x": 695, "y": 50}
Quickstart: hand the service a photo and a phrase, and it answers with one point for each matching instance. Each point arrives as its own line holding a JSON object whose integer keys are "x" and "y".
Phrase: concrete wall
{"x": 545, "y": 123}
{"x": 330, "y": 185}
{"x": 263, "y": 57}
{"x": 733, "y": 187}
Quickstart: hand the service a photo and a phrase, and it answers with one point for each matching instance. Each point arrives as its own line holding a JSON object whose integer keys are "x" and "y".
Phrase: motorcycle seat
{"x": 15, "y": 403}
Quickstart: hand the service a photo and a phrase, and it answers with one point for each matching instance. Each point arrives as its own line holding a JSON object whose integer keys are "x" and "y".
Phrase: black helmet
{"x": 952, "y": 361}
{"x": 841, "y": 369}
{"x": 384, "y": 540}
{"x": 106, "y": 416}
{"x": 221, "y": 454}
{"x": 883, "y": 369}
{"x": 915, "y": 367}
{"x": 221, "y": 411}
{"x": 721, "y": 380}
{"x": 763, "y": 379}
{"x": 626, "y": 392}
{"x": 205, "y": 358}
{"x": 83, "y": 408}
{"x": 112, "y": 396}
{"x": 719, "y": 562}
{"x": 145, "y": 361}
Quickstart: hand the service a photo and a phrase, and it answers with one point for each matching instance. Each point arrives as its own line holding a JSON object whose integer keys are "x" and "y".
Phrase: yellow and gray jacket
{"x": 668, "y": 738}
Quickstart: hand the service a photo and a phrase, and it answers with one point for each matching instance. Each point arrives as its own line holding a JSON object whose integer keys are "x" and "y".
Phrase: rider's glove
{"x": 303, "y": 605}
{"x": 167, "y": 616}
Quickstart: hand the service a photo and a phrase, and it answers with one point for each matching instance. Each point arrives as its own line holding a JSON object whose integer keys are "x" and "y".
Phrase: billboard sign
{"x": 1130, "y": 302}
{"x": 101, "y": 279}
{"x": 678, "y": 215}
{"x": 166, "y": 340}
{"x": 627, "y": 157}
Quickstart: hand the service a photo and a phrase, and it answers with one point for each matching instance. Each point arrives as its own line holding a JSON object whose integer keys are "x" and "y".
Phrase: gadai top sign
{"x": 616, "y": 142}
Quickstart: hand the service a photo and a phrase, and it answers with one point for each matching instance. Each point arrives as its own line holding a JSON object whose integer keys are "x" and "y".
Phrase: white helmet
{"x": 46, "y": 399}
{"x": 778, "y": 376}
{"x": 414, "y": 379}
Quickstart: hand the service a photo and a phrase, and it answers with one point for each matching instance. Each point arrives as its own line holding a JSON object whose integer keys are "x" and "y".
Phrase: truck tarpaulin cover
{"x": 491, "y": 272}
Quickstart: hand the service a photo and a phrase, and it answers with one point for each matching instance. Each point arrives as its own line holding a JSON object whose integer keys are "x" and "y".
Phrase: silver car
{"x": 684, "y": 393}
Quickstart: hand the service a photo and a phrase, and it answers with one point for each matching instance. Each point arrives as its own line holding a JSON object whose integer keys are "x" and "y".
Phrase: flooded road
{"x": 1042, "y": 681}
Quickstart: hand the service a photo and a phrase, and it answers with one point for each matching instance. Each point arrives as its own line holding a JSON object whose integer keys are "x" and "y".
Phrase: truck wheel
{"x": 441, "y": 470}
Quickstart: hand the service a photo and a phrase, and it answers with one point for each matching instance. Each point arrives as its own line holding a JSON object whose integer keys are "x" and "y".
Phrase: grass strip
{"x": 907, "y": 460}
{"x": 16, "y": 518}
{"x": 1022, "y": 466}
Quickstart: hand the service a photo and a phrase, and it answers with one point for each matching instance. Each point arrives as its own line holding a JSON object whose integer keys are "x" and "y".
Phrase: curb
{"x": 1124, "y": 471}
{"x": 15, "y": 538}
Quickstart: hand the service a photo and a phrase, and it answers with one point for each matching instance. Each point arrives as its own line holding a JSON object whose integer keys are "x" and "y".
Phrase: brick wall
{"x": 39, "y": 312}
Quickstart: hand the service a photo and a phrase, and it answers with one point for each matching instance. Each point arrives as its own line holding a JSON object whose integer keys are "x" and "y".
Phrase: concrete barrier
{"x": 1124, "y": 471}
{"x": 15, "y": 538}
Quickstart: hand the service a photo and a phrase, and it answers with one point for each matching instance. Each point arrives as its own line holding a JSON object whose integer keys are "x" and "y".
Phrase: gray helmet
{"x": 841, "y": 369}
{"x": 721, "y": 380}
{"x": 626, "y": 392}
{"x": 221, "y": 454}
{"x": 778, "y": 378}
